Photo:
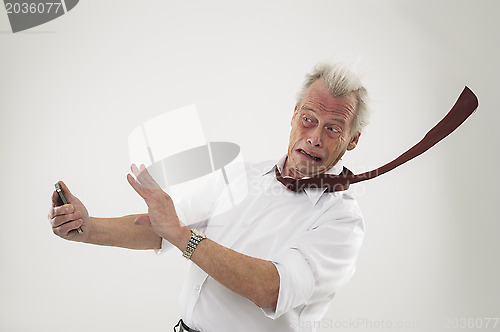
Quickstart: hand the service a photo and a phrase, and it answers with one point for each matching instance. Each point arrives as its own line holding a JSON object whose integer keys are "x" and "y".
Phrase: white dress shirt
{"x": 312, "y": 237}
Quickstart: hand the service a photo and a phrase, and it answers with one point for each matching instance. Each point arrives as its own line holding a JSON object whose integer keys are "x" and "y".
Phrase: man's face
{"x": 320, "y": 132}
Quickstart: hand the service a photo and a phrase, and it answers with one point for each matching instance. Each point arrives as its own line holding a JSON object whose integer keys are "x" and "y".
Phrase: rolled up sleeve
{"x": 295, "y": 274}
{"x": 315, "y": 264}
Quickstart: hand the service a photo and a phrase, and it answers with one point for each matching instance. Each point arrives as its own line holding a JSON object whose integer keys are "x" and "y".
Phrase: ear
{"x": 353, "y": 142}
{"x": 294, "y": 113}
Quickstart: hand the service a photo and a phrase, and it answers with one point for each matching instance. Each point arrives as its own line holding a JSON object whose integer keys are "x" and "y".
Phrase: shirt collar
{"x": 314, "y": 194}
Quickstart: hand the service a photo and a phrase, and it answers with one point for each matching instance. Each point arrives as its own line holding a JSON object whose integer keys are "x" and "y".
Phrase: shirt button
{"x": 197, "y": 288}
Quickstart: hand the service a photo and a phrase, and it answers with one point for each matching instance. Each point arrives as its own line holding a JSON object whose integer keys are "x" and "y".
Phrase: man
{"x": 275, "y": 261}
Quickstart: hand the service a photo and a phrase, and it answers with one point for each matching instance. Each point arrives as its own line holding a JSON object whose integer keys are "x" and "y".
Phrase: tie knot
{"x": 322, "y": 181}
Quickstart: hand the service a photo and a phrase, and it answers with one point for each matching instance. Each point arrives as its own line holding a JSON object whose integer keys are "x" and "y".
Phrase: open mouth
{"x": 315, "y": 158}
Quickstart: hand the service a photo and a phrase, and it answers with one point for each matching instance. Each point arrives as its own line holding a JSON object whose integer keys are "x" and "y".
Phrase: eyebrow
{"x": 341, "y": 121}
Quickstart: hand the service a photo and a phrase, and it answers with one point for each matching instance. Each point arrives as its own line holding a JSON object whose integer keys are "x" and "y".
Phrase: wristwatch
{"x": 196, "y": 238}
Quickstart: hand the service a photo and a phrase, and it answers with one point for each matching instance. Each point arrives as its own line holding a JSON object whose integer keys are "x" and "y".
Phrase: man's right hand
{"x": 65, "y": 219}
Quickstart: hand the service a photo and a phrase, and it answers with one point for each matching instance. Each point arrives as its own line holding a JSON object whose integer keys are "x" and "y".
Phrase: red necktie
{"x": 465, "y": 105}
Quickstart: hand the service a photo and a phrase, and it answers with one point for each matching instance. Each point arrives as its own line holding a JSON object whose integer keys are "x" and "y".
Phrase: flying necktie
{"x": 465, "y": 105}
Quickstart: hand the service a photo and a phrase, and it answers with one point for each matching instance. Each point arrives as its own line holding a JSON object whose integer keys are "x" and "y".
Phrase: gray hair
{"x": 340, "y": 81}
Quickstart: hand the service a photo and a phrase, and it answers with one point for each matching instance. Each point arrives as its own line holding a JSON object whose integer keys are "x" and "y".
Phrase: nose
{"x": 315, "y": 137}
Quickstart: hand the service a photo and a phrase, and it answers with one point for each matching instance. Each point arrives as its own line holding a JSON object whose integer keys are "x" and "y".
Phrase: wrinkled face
{"x": 320, "y": 132}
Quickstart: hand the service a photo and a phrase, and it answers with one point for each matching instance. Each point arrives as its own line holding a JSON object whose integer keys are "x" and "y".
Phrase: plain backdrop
{"x": 73, "y": 89}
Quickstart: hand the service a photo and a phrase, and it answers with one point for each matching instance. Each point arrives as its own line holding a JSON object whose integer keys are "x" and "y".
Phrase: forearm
{"x": 253, "y": 278}
{"x": 122, "y": 232}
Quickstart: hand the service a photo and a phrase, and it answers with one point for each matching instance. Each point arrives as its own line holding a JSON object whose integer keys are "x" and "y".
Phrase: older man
{"x": 275, "y": 261}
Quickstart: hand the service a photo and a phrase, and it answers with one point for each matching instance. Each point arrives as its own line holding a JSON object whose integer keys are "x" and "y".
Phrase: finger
{"x": 135, "y": 170}
{"x": 61, "y": 210}
{"x": 65, "y": 189}
{"x": 56, "y": 200}
{"x": 64, "y": 229}
{"x": 141, "y": 179}
{"x": 60, "y": 220}
{"x": 146, "y": 179}
{"x": 131, "y": 180}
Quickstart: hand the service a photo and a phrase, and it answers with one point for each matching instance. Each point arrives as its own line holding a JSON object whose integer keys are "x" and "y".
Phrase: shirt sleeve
{"x": 315, "y": 264}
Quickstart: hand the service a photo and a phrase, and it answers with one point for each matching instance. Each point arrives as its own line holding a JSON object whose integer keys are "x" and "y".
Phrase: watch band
{"x": 196, "y": 238}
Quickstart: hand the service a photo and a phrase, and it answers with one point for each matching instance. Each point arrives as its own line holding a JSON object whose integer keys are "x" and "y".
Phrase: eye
{"x": 334, "y": 131}
{"x": 307, "y": 122}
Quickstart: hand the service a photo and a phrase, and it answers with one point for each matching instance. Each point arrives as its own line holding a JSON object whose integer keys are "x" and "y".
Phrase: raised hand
{"x": 161, "y": 211}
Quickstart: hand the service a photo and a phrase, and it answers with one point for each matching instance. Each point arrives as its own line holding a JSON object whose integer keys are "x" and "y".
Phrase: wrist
{"x": 195, "y": 239}
{"x": 87, "y": 236}
{"x": 182, "y": 237}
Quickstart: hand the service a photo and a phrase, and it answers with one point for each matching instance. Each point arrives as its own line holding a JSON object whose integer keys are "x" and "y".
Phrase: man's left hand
{"x": 161, "y": 211}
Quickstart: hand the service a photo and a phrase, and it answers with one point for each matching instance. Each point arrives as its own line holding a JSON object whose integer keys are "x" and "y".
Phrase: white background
{"x": 73, "y": 89}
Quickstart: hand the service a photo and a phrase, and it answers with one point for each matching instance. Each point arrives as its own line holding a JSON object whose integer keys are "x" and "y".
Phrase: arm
{"x": 253, "y": 278}
{"x": 118, "y": 232}
{"x": 123, "y": 232}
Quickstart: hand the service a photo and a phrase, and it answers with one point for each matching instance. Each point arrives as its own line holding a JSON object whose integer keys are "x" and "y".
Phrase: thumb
{"x": 67, "y": 193}
{"x": 143, "y": 219}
